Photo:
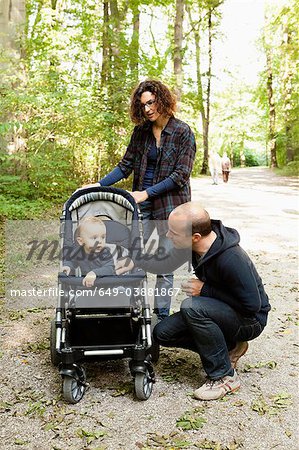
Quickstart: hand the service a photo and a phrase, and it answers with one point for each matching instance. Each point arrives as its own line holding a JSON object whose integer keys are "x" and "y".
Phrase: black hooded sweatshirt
{"x": 226, "y": 270}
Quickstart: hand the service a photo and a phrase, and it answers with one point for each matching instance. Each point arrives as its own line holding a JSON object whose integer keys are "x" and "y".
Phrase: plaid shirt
{"x": 175, "y": 160}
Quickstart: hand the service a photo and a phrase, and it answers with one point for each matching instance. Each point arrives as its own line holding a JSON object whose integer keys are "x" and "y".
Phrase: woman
{"x": 226, "y": 167}
{"x": 161, "y": 154}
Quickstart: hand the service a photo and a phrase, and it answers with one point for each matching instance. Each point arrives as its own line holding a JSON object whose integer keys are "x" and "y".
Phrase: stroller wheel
{"x": 143, "y": 385}
{"x": 73, "y": 389}
{"x": 55, "y": 357}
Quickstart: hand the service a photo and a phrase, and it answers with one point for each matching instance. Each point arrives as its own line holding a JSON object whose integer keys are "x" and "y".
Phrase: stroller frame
{"x": 75, "y": 334}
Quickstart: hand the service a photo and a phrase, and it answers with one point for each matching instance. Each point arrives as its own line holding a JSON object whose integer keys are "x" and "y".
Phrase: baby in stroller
{"x": 97, "y": 225}
{"x": 90, "y": 252}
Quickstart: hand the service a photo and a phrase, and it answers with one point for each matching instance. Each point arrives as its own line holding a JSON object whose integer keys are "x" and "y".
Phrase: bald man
{"x": 227, "y": 304}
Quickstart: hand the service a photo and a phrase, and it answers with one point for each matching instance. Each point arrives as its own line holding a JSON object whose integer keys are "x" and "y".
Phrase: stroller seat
{"x": 112, "y": 318}
{"x": 109, "y": 291}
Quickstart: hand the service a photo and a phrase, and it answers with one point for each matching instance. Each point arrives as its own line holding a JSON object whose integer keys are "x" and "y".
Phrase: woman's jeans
{"x": 164, "y": 282}
{"x": 209, "y": 327}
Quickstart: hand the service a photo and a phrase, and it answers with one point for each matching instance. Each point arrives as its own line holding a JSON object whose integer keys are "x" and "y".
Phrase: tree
{"x": 280, "y": 43}
{"x": 134, "y": 46}
{"x": 205, "y": 11}
{"x": 178, "y": 52}
{"x": 12, "y": 20}
{"x": 272, "y": 111}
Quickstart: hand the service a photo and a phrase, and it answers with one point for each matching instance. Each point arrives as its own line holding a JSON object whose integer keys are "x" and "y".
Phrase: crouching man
{"x": 227, "y": 304}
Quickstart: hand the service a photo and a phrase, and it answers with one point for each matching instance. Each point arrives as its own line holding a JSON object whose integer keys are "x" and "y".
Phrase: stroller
{"x": 112, "y": 319}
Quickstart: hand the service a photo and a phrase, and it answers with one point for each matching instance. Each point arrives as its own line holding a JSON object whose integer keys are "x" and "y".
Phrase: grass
{"x": 290, "y": 170}
{"x": 22, "y": 209}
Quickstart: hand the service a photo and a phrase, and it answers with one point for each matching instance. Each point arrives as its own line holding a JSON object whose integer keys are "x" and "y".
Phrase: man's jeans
{"x": 209, "y": 327}
{"x": 163, "y": 281}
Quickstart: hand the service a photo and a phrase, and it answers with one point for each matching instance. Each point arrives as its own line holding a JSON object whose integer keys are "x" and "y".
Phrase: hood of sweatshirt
{"x": 226, "y": 238}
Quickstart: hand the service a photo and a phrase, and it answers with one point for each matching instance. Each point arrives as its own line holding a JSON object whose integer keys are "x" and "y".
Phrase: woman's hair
{"x": 165, "y": 100}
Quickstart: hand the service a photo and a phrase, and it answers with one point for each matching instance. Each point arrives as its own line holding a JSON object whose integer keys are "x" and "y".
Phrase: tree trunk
{"x": 201, "y": 105}
{"x": 105, "y": 45}
{"x": 12, "y": 17}
{"x": 116, "y": 28}
{"x": 287, "y": 84}
{"x": 272, "y": 112}
{"x": 178, "y": 53}
{"x": 119, "y": 60}
{"x": 203, "y": 108}
{"x": 207, "y": 121}
{"x": 134, "y": 47}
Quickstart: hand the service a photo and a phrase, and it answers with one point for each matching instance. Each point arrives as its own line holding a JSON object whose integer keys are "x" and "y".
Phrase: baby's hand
{"x": 66, "y": 270}
{"x": 89, "y": 280}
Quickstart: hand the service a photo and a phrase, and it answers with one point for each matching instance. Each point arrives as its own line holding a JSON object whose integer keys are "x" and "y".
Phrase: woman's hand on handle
{"x": 139, "y": 196}
{"x": 90, "y": 185}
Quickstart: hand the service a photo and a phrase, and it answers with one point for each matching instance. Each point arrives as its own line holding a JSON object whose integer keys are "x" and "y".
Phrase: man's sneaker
{"x": 214, "y": 389}
{"x": 236, "y": 353}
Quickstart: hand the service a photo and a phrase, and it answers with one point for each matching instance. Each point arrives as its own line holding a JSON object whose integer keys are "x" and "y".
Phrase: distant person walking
{"x": 226, "y": 167}
{"x": 214, "y": 166}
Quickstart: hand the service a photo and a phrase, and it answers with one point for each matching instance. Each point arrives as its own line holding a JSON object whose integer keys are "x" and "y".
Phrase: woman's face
{"x": 149, "y": 106}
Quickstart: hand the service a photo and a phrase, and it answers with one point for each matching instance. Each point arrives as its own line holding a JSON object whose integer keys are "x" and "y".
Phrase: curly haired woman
{"x": 161, "y": 154}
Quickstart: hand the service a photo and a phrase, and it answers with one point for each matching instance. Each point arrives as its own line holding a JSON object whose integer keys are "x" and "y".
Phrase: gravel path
{"x": 262, "y": 415}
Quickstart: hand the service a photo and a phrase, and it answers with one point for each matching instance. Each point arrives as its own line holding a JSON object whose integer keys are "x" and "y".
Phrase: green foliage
{"x": 64, "y": 117}
{"x": 173, "y": 440}
{"x": 280, "y": 41}
{"x": 278, "y": 402}
{"x": 269, "y": 364}
{"x": 22, "y": 208}
{"x": 191, "y": 420}
{"x": 239, "y": 130}
{"x": 90, "y": 436}
{"x": 61, "y": 128}
{"x": 254, "y": 157}
{"x": 290, "y": 170}
{"x": 214, "y": 445}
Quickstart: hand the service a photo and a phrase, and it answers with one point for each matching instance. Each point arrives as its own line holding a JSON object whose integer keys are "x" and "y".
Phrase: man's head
{"x": 91, "y": 234}
{"x": 188, "y": 224}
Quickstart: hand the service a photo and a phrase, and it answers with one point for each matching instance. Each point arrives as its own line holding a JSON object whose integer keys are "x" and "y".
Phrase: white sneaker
{"x": 214, "y": 389}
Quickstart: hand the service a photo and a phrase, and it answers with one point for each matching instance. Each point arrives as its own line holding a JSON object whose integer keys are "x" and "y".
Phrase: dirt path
{"x": 262, "y": 415}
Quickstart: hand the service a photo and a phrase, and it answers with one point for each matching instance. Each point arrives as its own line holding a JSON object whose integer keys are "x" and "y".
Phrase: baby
{"x": 89, "y": 252}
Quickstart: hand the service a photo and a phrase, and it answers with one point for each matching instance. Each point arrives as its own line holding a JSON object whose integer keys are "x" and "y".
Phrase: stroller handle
{"x": 116, "y": 280}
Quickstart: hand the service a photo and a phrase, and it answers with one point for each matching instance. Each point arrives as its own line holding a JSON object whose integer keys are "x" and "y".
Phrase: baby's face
{"x": 93, "y": 237}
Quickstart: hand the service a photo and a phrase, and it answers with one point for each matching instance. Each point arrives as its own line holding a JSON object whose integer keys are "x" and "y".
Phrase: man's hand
{"x": 192, "y": 287}
{"x": 66, "y": 270}
{"x": 123, "y": 265}
{"x": 139, "y": 196}
{"x": 89, "y": 280}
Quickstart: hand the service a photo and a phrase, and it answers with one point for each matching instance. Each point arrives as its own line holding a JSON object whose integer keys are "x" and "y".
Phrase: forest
{"x": 68, "y": 67}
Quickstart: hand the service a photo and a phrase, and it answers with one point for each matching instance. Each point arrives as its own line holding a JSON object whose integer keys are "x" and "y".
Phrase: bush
{"x": 12, "y": 208}
{"x": 290, "y": 170}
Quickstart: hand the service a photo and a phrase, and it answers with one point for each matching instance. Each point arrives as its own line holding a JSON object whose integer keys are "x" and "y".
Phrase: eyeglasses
{"x": 148, "y": 104}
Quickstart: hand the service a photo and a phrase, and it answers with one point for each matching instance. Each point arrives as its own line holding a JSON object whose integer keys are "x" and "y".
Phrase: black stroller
{"x": 112, "y": 319}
